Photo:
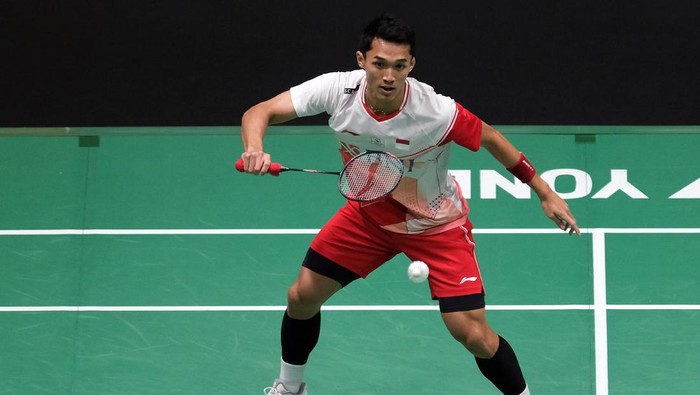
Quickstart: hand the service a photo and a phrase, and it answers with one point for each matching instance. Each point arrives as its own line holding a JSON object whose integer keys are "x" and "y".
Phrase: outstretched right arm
{"x": 254, "y": 124}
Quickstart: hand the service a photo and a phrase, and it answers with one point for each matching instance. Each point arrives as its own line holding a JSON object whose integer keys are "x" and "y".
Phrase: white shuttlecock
{"x": 418, "y": 271}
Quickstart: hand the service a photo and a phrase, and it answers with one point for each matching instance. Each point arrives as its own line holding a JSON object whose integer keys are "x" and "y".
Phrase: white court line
{"x": 270, "y": 308}
{"x": 563, "y": 307}
{"x": 79, "y": 232}
{"x": 654, "y": 307}
{"x": 58, "y": 232}
{"x": 600, "y": 314}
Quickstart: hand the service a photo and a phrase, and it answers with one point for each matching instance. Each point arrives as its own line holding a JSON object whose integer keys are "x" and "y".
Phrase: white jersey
{"x": 428, "y": 199}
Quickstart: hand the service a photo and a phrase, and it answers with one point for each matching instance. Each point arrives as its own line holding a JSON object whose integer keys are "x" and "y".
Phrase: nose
{"x": 389, "y": 76}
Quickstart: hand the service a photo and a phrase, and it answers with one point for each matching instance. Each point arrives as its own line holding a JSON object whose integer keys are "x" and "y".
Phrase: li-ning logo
{"x": 465, "y": 279}
{"x": 350, "y": 91}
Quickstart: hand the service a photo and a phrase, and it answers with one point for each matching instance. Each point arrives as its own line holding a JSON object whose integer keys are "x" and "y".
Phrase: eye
{"x": 379, "y": 65}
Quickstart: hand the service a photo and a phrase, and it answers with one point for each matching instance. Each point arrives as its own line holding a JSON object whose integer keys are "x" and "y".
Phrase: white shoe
{"x": 279, "y": 389}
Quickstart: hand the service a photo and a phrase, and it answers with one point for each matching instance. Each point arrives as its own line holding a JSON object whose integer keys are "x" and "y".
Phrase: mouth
{"x": 387, "y": 89}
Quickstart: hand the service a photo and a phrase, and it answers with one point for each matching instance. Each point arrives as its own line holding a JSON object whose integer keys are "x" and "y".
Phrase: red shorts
{"x": 354, "y": 242}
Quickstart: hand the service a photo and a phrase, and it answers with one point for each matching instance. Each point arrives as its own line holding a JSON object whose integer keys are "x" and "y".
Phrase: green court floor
{"x": 141, "y": 262}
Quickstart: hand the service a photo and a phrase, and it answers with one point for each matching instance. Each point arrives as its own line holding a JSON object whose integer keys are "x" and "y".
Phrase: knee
{"x": 301, "y": 305}
{"x": 297, "y": 297}
{"x": 471, "y": 329}
{"x": 481, "y": 341}
{"x": 294, "y": 295}
{"x": 471, "y": 337}
{"x": 308, "y": 293}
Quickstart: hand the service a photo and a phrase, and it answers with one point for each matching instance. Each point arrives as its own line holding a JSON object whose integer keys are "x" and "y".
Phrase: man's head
{"x": 386, "y": 54}
{"x": 387, "y": 28}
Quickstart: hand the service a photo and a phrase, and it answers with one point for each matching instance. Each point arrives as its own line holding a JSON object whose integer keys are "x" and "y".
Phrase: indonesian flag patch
{"x": 403, "y": 142}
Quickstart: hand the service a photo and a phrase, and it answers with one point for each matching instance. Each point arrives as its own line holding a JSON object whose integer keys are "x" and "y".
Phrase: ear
{"x": 360, "y": 59}
{"x": 412, "y": 64}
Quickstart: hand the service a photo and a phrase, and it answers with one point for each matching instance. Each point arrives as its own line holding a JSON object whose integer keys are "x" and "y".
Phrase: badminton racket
{"x": 365, "y": 177}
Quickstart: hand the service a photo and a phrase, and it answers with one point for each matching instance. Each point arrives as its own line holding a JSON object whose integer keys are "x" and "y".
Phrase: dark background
{"x": 203, "y": 62}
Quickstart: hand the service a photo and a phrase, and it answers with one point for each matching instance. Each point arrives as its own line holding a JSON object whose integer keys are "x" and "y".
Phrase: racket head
{"x": 370, "y": 176}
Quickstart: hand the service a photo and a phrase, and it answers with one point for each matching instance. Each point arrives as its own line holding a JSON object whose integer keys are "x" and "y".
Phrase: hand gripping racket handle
{"x": 275, "y": 168}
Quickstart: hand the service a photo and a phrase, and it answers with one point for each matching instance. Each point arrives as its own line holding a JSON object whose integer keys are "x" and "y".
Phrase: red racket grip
{"x": 275, "y": 168}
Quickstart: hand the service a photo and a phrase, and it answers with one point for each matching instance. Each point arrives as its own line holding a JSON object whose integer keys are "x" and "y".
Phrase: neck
{"x": 380, "y": 107}
{"x": 384, "y": 108}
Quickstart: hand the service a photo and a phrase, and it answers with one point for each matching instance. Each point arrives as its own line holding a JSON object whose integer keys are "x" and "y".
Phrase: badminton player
{"x": 379, "y": 107}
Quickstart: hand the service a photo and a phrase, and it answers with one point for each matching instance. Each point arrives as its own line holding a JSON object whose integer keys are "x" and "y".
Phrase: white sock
{"x": 291, "y": 375}
{"x": 526, "y": 392}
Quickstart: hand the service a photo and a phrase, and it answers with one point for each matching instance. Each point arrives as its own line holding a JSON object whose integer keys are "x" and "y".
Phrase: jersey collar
{"x": 382, "y": 118}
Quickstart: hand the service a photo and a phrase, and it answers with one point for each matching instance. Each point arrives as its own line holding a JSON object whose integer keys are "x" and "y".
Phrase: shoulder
{"x": 336, "y": 79}
{"x": 325, "y": 92}
{"x": 423, "y": 98}
{"x": 332, "y": 84}
{"x": 352, "y": 76}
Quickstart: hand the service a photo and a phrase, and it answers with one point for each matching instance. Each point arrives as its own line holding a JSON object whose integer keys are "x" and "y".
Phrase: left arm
{"x": 554, "y": 206}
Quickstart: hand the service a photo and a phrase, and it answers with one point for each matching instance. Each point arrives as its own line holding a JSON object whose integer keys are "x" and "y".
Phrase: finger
{"x": 572, "y": 223}
{"x": 255, "y": 162}
{"x": 254, "y": 165}
{"x": 561, "y": 222}
{"x": 569, "y": 223}
{"x": 574, "y": 229}
{"x": 248, "y": 162}
{"x": 264, "y": 163}
{"x": 264, "y": 167}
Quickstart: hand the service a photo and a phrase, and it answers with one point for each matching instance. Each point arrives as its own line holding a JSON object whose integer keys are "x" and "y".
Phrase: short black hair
{"x": 389, "y": 28}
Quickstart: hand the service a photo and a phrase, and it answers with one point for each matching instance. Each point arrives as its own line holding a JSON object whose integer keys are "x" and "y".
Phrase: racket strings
{"x": 370, "y": 176}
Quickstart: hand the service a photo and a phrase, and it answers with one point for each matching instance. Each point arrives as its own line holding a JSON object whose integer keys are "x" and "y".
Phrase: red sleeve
{"x": 465, "y": 130}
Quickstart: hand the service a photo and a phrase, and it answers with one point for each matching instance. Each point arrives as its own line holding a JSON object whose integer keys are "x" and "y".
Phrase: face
{"x": 387, "y": 66}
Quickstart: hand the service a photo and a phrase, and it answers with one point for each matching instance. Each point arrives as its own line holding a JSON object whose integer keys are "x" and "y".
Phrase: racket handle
{"x": 275, "y": 168}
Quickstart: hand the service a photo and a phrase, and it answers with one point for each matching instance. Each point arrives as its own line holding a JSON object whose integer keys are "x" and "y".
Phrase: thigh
{"x": 353, "y": 242}
{"x": 465, "y": 321}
